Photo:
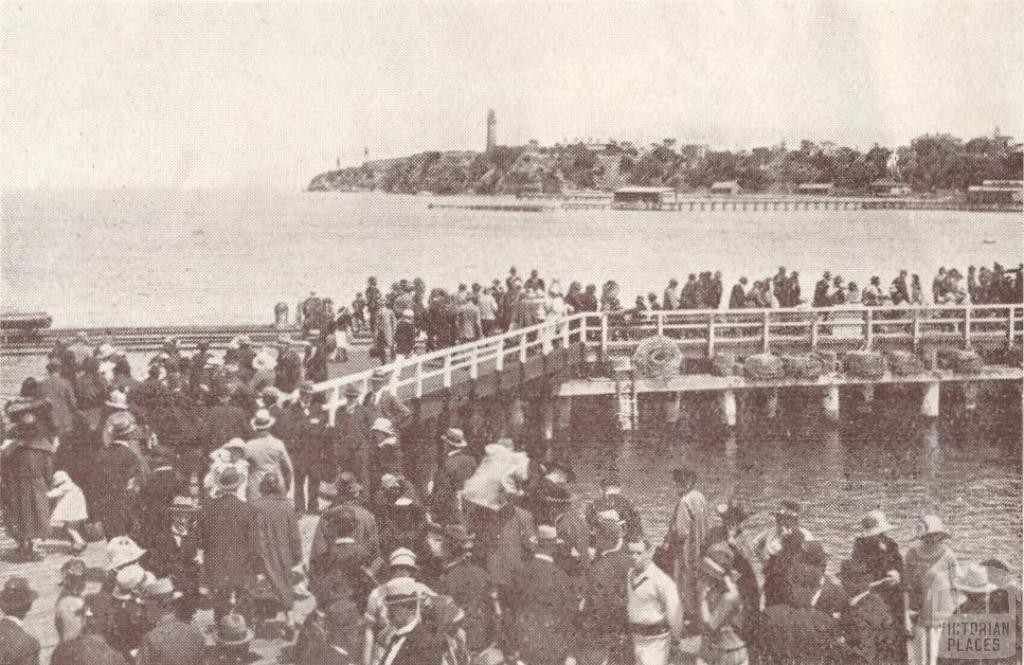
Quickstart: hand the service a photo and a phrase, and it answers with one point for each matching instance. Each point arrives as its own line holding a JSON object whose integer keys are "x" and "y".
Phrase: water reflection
{"x": 965, "y": 469}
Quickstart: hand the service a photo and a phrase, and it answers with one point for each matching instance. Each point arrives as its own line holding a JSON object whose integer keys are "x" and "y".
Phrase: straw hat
{"x": 931, "y": 525}
{"x": 160, "y": 590}
{"x": 454, "y": 438}
{"x": 973, "y": 578}
{"x": 874, "y": 523}
{"x": 403, "y": 557}
{"x": 121, "y": 424}
{"x": 262, "y": 420}
{"x": 546, "y": 534}
{"x": 389, "y": 441}
{"x": 401, "y": 590}
{"x": 117, "y": 400}
{"x": 384, "y": 426}
{"x": 121, "y": 551}
{"x": 129, "y": 579}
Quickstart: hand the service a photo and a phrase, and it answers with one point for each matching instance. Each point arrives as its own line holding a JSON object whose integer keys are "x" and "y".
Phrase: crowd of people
{"x": 395, "y": 320}
{"x": 196, "y": 482}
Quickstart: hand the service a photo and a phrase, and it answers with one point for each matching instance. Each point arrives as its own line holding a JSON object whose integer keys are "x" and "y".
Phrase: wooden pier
{"x": 535, "y": 372}
{"x": 746, "y": 203}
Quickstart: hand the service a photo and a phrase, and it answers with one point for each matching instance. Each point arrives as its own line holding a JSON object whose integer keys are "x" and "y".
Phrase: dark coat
{"x": 420, "y": 647}
{"x": 86, "y": 649}
{"x": 289, "y": 371}
{"x": 222, "y": 423}
{"x": 788, "y": 634}
{"x": 309, "y": 445}
{"x": 626, "y": 511}
{"x": 503, "y": 539}
{"x": 738, "y": 297}
{"x": 605, "y": 594}
{"x": 880, "y": 554}
{"x": 338, "y": 573}
{"x": 156, "y": 496}
{"x": 116, "y": 465}
{"x": 312, "y": 648}
{"x": 453, "y": 474}
{"x": 25, "y": 482}
{"x": 227, "y": 530}
{"x": 63, "y": 403}
{"x": 352, "y": 444}
{"x": 470, "y": 587}
{"x": 366, "y": 532}
{"x": 167, "y": 557}
{"x": 278, "y": 543}
{"x": 172, "y": 642}
{"x": 868, "y": 630}
{"x": 17, "y": 647}
{"x": 545, "y": 609}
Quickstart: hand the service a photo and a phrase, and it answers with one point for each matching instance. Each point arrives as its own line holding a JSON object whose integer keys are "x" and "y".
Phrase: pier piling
{"x": 830, "y": 403}
{"x": 727, "y": 403}
{"x": 930, "y": 402}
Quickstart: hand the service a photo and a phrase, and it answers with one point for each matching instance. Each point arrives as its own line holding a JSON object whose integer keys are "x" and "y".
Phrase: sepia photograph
{"x": 511, "y": 332}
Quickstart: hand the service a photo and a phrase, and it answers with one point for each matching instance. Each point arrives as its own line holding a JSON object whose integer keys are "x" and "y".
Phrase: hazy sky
{"x": 210, "y": 94}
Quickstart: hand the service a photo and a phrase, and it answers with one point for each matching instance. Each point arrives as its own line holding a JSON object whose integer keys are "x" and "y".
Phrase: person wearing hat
{"x": 309, "y": 448}
{"x": 72, "y": 578}
{"x": 348, "y": 500}
{"x": 227, "y": 531}
{"x": 288, "y": 372}
{"x": 330, "y": 636}
{"x": 223, "y": 421}
{"x": 384, "y": 342}
{"x": 605, "y": 629}
{"x": 352, "y": 423}
{"x": 402, "y": 568}
{"x": 730, "y": 531}
{"x": 69, "y": 510}
{"x": 89, "y": 647}
{"x": 653, "y": 609}
{"x": 405, "y": 335}
{"x": 467, "y": 583}
{"x": 58, "y": 391}
{"x": 231, "y": 642}
{"x": 929, "y": 596}
{"x": 17, "y": 647}
{"x": 339, "y": 570}
{"x": 573, "y": 530}
{"x": 468, "y": 321}
{"x": 403, "y": 520}
{"x": 266, "y": 454}
{"x": 171, "y": 641}
{"x": 26, "y": 477}
{"x": 456, "y": 468}
{"x": 118, "y": 472}
{"x": 796, "y": 631}
{"x": 278, "y": 546}
{"x": 869, "y": 629}
{"x": 721, "y": 610}
{"x": 687, "y": 535}
{"x": 612, "y": 498}
{"x": 409, "y": 640}
{"x": 118, "y": 613}
{"x": 880, "y": 553}
{"x": 383, "y": 402}
{"x": 544, "y": 605}
{"x": 787, "y": 520}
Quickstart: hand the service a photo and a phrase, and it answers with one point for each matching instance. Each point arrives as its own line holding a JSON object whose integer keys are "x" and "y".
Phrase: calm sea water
{"x": 163, "y": 257}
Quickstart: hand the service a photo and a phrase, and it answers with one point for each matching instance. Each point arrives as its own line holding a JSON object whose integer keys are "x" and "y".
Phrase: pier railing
{"x": 700, "y": 333}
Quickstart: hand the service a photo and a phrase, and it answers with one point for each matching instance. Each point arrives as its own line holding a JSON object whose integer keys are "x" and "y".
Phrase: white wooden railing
{"x": 706, "y": 331}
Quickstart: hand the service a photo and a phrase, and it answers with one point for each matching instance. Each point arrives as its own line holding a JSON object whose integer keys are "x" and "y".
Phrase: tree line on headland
{"x": 931, "y": 164}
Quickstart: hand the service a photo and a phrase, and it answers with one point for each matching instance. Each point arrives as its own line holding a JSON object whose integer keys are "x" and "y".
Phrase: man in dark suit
{"x": 456, "y": 468}
{"x": 224, "y": 421}
{"x": 470, "y": 587}
{"x": 17, "y": 647}
{"x": 867, "y": 625}
{"x": 227, "y": 527}
{"x": 738, "y": 296}
{"x": 796, "y": 631}
{"x": 310, "y": 449}
{"x": 545, "y": 606}
{"x": 352, "y": 441}
{"x": 821, "y": 290}
{"x": 348, "y": 500}
{"x": 605, "y": 622}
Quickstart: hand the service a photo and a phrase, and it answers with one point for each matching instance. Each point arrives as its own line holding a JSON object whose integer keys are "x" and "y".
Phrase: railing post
{"x": 917, "y": 329}
{"x": 447, "y": 376}
{"x": 967, "y": 327}
{"x": 604, "y": 336}
{"x": 814, "y": 331}
{"x": 764, "y": 331}
{"x": 869, "y": 332}
{"x": 522, "y": 347}
{"x": 659, "y": 323}
{"x": 499, "y": 362}
{"x": 711, "y": 335}
{"x": 565, "y": 334}
{"x": 546, "y": 332}
{"x": 418, "y": 379}
{"x": 474, "y": 357}
{"x": 1010, "y": 310}
{"x": 333, "y": 404}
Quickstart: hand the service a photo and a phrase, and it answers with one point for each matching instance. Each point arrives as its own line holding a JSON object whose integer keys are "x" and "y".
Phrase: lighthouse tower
{"x": 492, "y": 127}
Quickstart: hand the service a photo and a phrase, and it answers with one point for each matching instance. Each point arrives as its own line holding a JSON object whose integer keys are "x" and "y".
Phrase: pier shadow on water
{"x": 963, "y": 467}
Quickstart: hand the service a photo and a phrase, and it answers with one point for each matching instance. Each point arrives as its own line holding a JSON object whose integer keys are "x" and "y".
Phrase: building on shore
{"x": 643, "y": 198}
{"x": 816, "y": 188}
{"x": 996, "y": 192}
{"x": 726, "y": 188}
{"x": 889, "y": 187}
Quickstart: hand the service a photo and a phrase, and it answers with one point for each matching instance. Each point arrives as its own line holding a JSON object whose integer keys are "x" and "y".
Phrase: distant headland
{"x": 930, "y": 164}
